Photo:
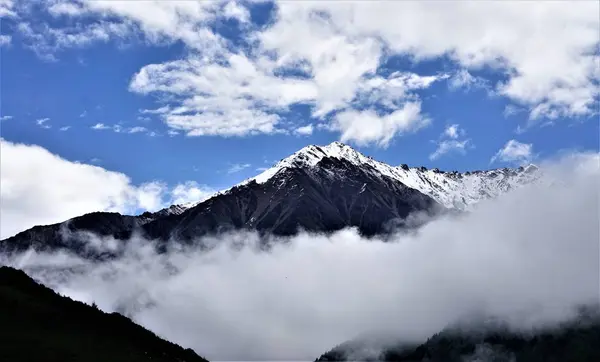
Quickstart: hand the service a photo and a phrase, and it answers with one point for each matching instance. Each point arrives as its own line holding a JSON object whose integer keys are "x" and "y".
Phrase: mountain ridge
{"x": 316, "y": 189}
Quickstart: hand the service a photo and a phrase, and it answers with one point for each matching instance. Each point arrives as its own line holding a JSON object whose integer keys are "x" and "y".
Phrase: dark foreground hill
{"x": 36, "y": 324}
{"x": 576, "y": 341}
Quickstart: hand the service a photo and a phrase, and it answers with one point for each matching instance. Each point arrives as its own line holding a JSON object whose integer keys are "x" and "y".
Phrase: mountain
{"x": 40, "y": 325}
{"x": 577, "y": 340}
{"x": 317, "y": 189}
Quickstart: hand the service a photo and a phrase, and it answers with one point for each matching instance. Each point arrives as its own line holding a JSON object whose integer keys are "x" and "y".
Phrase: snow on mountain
{"x": 451, "y": 189}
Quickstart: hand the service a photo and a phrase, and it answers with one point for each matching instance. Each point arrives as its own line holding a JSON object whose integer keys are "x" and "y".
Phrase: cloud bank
{"x": 527, "y": 257}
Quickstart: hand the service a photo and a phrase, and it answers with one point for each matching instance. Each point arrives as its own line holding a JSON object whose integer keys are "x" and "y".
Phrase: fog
{"x": 528, "y": 258}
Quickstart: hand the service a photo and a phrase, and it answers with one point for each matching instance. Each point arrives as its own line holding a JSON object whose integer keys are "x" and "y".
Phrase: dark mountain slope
{"x": 329, "y": 197}
{"x": 576, "y": 341}
{"x": 40, "y": 325}
{"x": 58, "y": 236}
{"x": 332, "y": 195}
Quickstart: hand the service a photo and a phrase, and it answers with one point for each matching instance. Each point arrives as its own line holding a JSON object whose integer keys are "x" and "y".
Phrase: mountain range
{"x": 317, "y": 189}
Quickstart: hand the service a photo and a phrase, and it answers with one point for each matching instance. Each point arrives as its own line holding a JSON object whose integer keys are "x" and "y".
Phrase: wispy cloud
{"x": 137, "y": 129}
{"x": 117, "y": 128}
{"x": 449, "y": 142}
{"x": 237, "y": 167}
{"x": 462, "y": 79}
{"x": 5, "y": 118}
{"x": 83, "y": 114}
{"x": 43, "y": 122}
{"x": 64, "y": 128}
{"x": 5, "y": 40}
{"x": 161, "y": 110}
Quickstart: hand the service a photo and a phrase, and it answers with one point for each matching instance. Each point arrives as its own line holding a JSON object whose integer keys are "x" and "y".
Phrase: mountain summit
{"x": 317, "y": 189}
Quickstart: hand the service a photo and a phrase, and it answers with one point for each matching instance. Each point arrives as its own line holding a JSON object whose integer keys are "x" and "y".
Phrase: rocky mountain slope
{"x": 320, "y": 189}
{"x": 40, "y": 325}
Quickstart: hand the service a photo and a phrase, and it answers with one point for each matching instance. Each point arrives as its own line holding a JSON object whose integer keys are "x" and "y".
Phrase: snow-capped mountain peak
{"x": 451, "y": 189}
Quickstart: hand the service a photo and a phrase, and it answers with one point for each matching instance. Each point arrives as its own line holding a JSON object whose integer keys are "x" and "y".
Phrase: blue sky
{"x": 174, "y": 92}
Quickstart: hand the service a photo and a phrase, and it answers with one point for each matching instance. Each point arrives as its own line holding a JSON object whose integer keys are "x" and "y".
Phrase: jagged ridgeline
{"x": 39, "y": 325}
{"x": 317, "y": 189}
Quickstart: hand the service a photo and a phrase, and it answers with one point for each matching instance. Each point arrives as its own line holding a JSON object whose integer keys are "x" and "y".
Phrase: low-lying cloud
{"x": 528, "y": 257}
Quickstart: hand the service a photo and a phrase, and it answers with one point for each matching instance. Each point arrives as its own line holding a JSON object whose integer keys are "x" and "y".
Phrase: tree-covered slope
{"x": 36, "y": 324}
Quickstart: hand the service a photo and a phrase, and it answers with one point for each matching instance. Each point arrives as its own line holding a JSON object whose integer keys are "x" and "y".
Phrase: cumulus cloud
{"x": 191, "y": 192}
{"x": 304, "y": 130}
{"x": 100, "y": 126}
{"x": 221, "y": 89}
{"x": 514, "y": 152}
{"x": 297, "y": 299}
{"x": 367, "y": 127}
{"x": 38, "y": 188}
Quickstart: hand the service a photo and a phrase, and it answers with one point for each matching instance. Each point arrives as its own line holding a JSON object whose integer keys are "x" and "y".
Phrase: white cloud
{"x": 502, "y": 259}
{"x": 5, "y": 118}
{"x": 43, "y": 122}
{"x": 452, "y": 131}
{"x": 551, "y": 79}
{"x": 5, "y": 40}
{"x": 447, "y": 146}
{"x": 83, "y": 114}
{"x": 514, "y": 151}
{"x": 66, "y": 8}
{"x": 38, "y": 187}
{"x": 161, "y": 110}
{"x": 217, "y": 90}
{"x": 137, "y": 129}
{"x": 117, "y": 128}
{"x": 100, "y": 126}
{"x": 367, "y": 127}
{"x": 237, "y": 11}
{"x": 449, "y": 142}
{"x": 45, "y": 41}
{"x": 464, "y": 79}
{"x": 304, "y": 130}
{"x": 190, "y": 192}
{"x": 237, "y": 167}
{"x": 7, "y": 9}
{"x": 64, "y": 128}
